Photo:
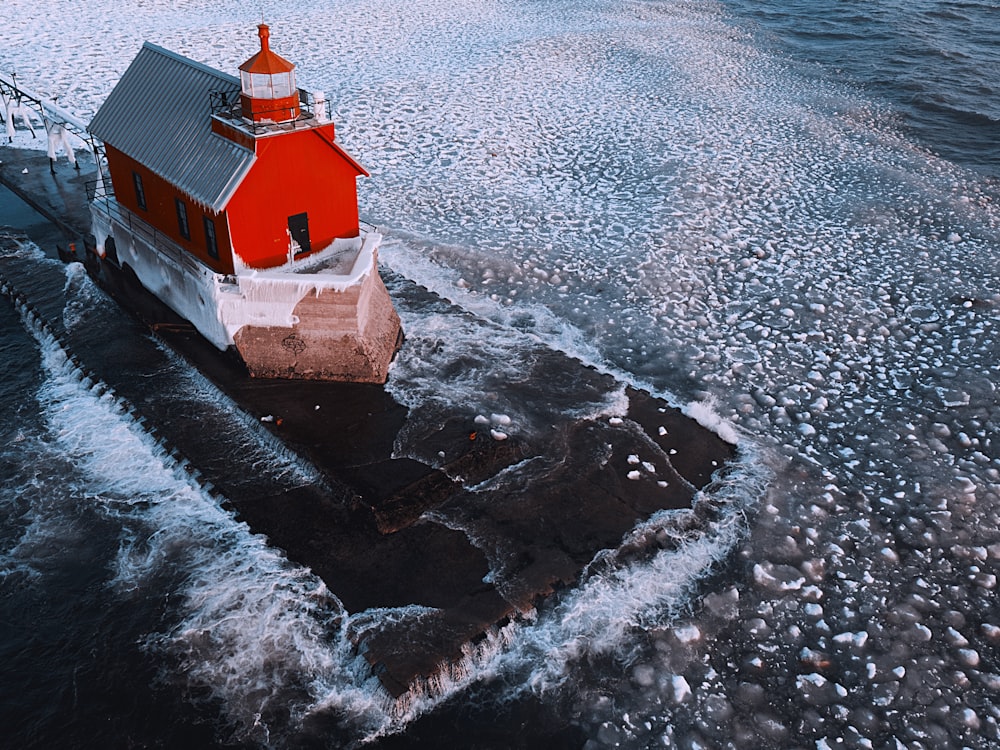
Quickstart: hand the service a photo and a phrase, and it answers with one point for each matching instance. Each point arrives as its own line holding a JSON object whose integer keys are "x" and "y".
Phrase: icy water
{"x": 783, "y": 215}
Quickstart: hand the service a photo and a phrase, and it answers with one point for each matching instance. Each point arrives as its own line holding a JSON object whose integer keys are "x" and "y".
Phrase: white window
{"x": 268, "y": 86}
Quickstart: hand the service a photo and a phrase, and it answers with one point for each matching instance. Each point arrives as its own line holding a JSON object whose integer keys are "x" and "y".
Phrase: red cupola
{"x": 268, "y": 92}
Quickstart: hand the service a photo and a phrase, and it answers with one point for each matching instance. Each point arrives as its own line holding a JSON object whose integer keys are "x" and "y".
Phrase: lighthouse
{"x": 232, "y": 200}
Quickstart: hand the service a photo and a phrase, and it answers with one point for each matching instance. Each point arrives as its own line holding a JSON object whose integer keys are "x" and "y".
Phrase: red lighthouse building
{"x": 233, "y": 201}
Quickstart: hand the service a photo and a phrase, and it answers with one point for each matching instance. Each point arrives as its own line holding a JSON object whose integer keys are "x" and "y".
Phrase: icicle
{"x": 66, "y": 139}
{"x": 8, "y": 118}
{"x": 52, "y": 136}
{"x": 25, "y": 113}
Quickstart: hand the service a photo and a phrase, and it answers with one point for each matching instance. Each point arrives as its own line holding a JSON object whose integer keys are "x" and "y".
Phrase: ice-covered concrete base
{"x": 329, "y": 317}
{"x": 349, "y": 335}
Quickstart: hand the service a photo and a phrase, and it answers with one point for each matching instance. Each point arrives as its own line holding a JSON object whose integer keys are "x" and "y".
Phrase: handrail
{"x": 105, "y": 202}
{"x": 226, "y": 104}
{"x": 47, "y": 109}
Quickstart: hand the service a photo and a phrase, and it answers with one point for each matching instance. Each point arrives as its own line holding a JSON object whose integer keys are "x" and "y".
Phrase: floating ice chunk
{"x": 615, "y": 420}
{"x": 633, "y": 475}
{"x": 806, "y": 429}
{"x": 644, "y": 675}
{"x": 682, "y": 690}
{"x": 661, "y": 483}
{"x": 941, "y": 430}
{"x": 858, "y": 639}
{"x": 969, "y": 657}
{"x": 498, "y": 435}
{"x": 764, "y": 399}
{"x": 956, "y": 638}
{"x": 990, "y": 631}
{"x": 969, "y": 718}
{"x": 724, "y": 604}
{"x": 991, "y": 680}
{"x": 649, "y": 467}
{"x": 662, "y": 430}
{"x": 889, "y": 555}
{"x": 501, "y": 420}
{"x": 922, "y": 313}
{"x": 687, "y": 633}
{"x": 633, "y": 459}
{"x": 953, "y": 397}
{"x": 954, "y": 238}
{"x": 778, "y": 577}
{"x": 267, "y": 418}
{"x": 966, "y": 486}
{"x": 813, "y": 678}
{"x": 481, "y": 420}
{"x": 814, "y": 570}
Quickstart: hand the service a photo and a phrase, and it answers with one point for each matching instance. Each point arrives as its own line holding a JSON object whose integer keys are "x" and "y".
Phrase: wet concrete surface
{"x": 363, "y": 524}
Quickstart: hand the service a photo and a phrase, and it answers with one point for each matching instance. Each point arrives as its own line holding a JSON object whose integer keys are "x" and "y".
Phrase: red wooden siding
{"x": 296, "y": 172}
{"x": 161, "y": 210}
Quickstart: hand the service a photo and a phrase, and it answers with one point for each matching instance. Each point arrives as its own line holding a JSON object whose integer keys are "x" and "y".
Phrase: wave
{"x": 264, "y": 638}
{"x": 644, "y": 584}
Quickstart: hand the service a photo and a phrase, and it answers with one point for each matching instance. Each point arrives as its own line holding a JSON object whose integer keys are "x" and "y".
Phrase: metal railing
{"x": 102, "y": 197}
{"x": 11, "y": 92}
{"x": 226, "y": 105}
{"x": 98, "y": 189}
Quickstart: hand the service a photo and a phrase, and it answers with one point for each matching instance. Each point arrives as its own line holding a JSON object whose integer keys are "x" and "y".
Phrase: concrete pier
{"x": 362, "y": 526}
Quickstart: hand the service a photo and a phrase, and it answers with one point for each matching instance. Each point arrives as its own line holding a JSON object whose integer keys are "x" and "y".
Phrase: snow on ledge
{"x": 268, "y": 297}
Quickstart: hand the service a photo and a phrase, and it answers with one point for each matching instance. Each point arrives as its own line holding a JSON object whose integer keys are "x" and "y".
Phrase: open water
{"x": 783, "y": 215}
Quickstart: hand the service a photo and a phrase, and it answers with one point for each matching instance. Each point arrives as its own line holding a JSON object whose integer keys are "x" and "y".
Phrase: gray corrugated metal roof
{"x": 159, "y": 114}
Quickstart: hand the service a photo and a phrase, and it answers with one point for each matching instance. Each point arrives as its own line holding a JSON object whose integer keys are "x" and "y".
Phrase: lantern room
{"x": 267, "y": 85}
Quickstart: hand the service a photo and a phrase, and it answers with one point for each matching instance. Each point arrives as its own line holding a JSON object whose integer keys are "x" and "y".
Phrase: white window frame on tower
{"x": 268, "y": 85}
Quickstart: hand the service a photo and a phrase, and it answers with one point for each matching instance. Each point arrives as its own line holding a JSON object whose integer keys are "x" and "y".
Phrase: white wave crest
{"x": 601, "y": 616}
{"x": 704, "y": 413}
{"x": 251, "y": 627}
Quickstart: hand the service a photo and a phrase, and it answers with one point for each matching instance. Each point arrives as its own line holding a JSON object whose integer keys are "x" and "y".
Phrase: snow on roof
{"x": 159, "y": 114}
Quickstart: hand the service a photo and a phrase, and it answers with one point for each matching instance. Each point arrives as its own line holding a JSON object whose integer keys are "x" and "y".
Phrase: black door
{"x": 298, "y": 228}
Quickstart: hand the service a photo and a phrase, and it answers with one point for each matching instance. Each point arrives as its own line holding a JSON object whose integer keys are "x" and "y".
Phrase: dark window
{"x": 182, "y": 218}
{"x": 140, "y": 194}
{"x": 298, "y": 228}
{"x": 210, "y": 242}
